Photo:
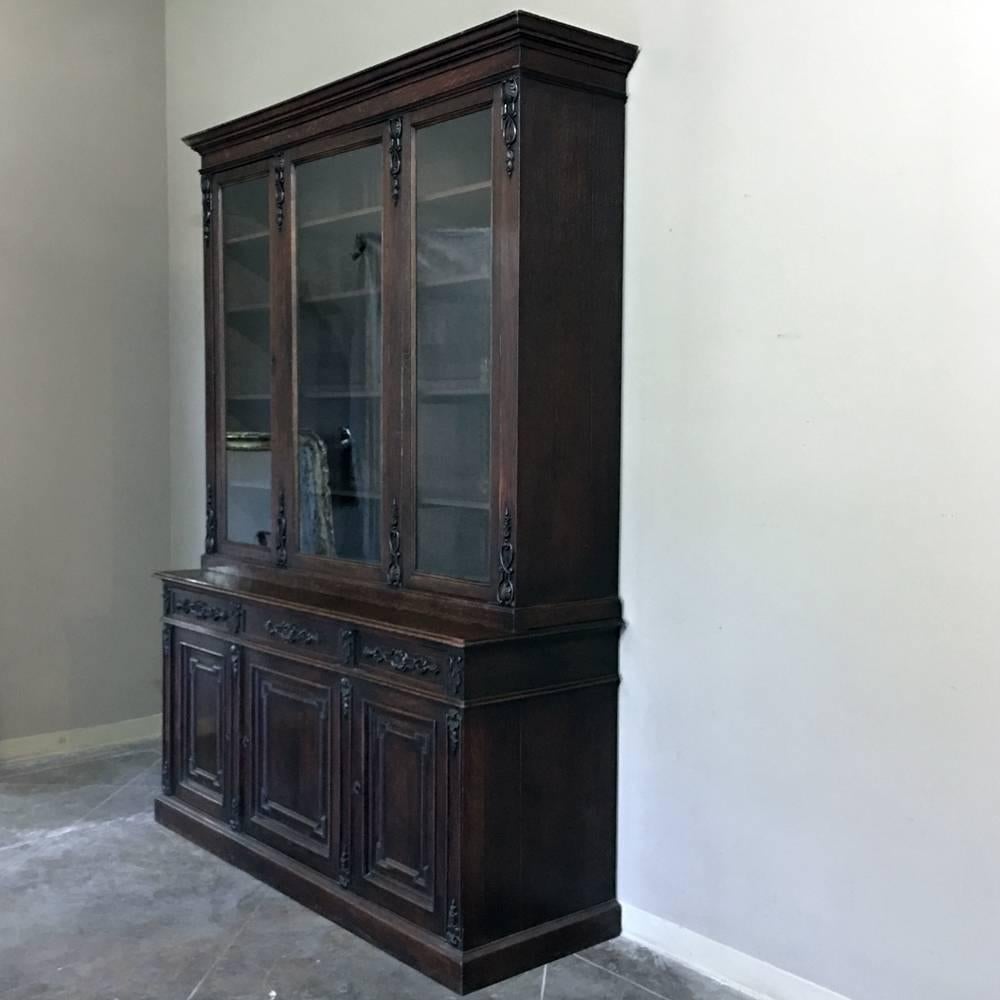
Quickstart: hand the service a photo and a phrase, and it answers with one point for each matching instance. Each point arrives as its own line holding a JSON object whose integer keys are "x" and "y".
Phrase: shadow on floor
{"x": 108, "y": 904}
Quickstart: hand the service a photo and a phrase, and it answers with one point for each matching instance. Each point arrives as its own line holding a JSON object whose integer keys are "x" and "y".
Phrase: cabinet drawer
{"x": 203, "y": 609}
{"x": 429, "y": 666}
{"x": 310, "y": 634}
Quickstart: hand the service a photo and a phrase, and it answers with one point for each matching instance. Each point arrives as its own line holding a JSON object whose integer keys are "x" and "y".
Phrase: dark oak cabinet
{"x": 390, "y": 689}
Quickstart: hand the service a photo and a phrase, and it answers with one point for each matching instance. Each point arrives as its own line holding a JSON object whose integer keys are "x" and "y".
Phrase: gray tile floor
{"x": 100, "y": 902}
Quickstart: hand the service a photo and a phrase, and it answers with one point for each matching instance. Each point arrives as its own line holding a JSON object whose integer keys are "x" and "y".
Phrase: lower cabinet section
{"x": 292, "y": 751}
{"x": 473, "y": 839}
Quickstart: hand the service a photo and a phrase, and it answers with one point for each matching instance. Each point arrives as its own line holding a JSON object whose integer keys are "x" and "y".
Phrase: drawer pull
{"x": 294, "y": 634}
{"x": 400, "y": 661}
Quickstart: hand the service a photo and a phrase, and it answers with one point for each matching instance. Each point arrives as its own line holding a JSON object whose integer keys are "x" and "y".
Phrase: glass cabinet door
{"x": 454, "y": 238}
{"x": 246, "y": 318}
{"x": 337, "y": 302}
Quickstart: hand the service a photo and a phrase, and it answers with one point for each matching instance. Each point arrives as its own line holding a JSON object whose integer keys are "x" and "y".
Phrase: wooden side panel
{"x": 539, "y": 814}
{"x": 570, "y": 150}
{"x": 293, "y": 767}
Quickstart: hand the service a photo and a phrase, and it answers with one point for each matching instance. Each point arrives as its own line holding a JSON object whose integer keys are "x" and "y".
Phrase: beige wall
{"x": 811, "y": 550}
{"x": 84, "y": 500}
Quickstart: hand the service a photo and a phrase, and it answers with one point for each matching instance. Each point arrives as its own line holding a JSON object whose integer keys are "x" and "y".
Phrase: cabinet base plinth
{"x": 461, "y": 971}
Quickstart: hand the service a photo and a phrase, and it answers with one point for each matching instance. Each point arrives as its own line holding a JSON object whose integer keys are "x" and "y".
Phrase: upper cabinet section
{"x": 413, "y": 316}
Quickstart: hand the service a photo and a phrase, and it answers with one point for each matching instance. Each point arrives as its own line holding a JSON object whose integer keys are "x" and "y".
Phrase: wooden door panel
{"x": 400, "y": 826}
{"x": 202, "y": 722}
{"x": 294, "y": 784}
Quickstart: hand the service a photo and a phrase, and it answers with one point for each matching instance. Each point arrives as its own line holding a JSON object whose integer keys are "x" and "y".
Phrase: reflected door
{"x": 246, "y": 315}
{"x": 338, "y": 316}
{"x": 454, "y": 239}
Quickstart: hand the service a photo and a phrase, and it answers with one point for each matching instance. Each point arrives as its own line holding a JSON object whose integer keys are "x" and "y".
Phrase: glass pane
{"x": 454, "y": 288}
{"x": 246, "y": 309}
{"x": 339, "y": 318}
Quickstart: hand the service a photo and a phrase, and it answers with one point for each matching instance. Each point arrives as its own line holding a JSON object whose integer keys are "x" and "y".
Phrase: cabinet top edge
{"x": 429, "y": 628}
{"x": 508, "y": 31}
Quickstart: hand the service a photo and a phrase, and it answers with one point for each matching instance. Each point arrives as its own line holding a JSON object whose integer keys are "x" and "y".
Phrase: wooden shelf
{"x": 253, "y": 307}
{"x": 247, "y": 397}
{"x": 456, "y": 192}
{"x": 357, "y": 495}
{"x": 248, "y": 238}
{"x": 355, "y": 293}
{"x": 238, "y": 485}
{"x": 339, "y": 394}
{"x": 451, "y": 389}
{"x": 329, "y": 220}
{"x": 455, "y": 503}
{"x": 447, "y": 282}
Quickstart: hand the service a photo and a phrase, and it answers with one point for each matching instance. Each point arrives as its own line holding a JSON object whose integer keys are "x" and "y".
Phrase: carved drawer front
{"x": 422, "y": 664}
{"x": 207, "y": 610}
{"x": 399, "y": 804}
{"x": 202, "y": 735}
{"x": 311, "y": 635}
{"x": 294, "y": 764}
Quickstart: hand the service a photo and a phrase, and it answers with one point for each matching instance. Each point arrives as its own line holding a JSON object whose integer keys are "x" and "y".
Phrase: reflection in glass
{"x": 338, "y": 313}
{"x": 247, "y": 318}
{"x": 454, "y": 286}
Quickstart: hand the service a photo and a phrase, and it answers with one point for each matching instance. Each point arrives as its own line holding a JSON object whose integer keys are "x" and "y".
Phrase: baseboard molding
{"x": 757, "y": 979}
{"x": 111, "y": 734}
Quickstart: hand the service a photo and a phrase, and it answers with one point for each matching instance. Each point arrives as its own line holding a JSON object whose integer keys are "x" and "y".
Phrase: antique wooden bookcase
{"x": 391, "y": 688}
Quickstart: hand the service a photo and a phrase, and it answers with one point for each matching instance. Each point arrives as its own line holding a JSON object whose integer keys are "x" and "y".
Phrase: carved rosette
{"x": 210, "y": 522}
{"x": 395, "y": 155}
{"x": 206, "y": 207}
{"x": 394, "y": 574}
{"x": 281, "y": 551}
{"x": 279, "y": 191}
{"x": 505, "y": 588}
{"x": 508, "y": 120}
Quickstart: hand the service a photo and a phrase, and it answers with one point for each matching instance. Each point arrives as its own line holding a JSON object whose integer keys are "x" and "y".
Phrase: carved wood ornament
{"x": 295, "y": 635}
{"x": 395, "y": 155}
{"x": 206, "y": 207}
{"x": 282, "y": 546}
{"x": 279, "y": 191}
{"x": 394, "y": 574}
{"x": 505, "y": 588}
{"x": 210, "y": 522}
{"x": 508, "y": 120}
